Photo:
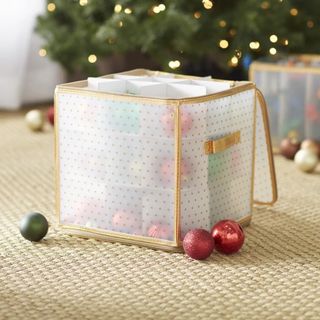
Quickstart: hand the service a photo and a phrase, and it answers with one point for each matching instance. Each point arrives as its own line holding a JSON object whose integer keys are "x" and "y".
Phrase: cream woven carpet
{"x": 275, "y": 276}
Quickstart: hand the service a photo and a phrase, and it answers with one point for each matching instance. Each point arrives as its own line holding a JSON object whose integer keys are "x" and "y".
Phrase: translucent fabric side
{"x": 265, "y": 186}
{"x": 219, "y": 185}
{"x": 117, "y": 165}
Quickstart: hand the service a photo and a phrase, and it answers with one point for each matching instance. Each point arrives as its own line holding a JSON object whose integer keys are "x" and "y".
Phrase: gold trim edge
{"x": 57, "y": 156}
{"x": 177, "y": 173}
{"x": 156, "y": 244}
{"x": 134, "y": 98}
{"x": 254, "y": 132}
{"x": 269, "y": 67}
{"x": 263, "y": 108}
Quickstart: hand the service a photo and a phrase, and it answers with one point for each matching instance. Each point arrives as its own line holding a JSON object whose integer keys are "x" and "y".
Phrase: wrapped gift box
{"x": 292, "y": 90}
{"x": 142, "y": 156}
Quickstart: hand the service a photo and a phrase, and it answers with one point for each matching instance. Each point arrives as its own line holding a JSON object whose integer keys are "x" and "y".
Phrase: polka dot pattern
{"x": 263, "y": 181}
{"x": 117, "y": 164}
{"x": 220, "y": 184}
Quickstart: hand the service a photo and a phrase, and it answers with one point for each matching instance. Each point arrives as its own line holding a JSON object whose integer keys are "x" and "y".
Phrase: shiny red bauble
{"x": 289, "y": 148}
{"x": 198, "y": 244}
{"x": 168, "y": 122}
{"x": 50, "y": 115}
{"x": 228, "y": 236}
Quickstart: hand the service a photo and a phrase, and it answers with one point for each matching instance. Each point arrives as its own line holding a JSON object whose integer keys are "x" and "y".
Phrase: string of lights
{"x": 230, "y": 45}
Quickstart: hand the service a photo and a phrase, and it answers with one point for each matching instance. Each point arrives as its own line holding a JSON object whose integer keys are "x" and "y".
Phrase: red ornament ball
{"x": 168, "y": 122}
{"x": 124, "y": 221}
{"x": 289, "y": 148}
{"x": 50, "y": 115}
{"x": 228, "y": 236}
{"x": 160, "y": 231}
{"x": 198, "y": 244}
{"x": 168, "y": 170}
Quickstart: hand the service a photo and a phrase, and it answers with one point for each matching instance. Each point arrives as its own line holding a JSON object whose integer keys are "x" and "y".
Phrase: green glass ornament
{"x": 126, "y": 118}
{"x": 216, "y": 165}
{"x": 34, "y": 226}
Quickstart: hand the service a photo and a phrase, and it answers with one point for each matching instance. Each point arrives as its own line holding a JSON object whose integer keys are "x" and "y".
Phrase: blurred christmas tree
{"x": 177, "y": 33}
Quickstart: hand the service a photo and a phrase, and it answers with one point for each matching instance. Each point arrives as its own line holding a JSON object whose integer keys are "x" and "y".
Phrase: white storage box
{"x": 143, "y": 156}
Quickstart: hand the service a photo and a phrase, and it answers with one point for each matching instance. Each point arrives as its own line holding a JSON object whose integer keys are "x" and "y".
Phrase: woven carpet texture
{"x": 275, "y": 276}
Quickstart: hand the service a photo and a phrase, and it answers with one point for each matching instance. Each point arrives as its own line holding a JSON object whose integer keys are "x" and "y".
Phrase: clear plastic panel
{"x": 312, "y": 107}
{"x": 293, "y": 100}
{"x": 272, "y": 87}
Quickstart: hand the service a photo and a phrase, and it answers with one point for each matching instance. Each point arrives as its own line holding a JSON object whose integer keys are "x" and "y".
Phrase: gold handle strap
{"x": 215, "y": 146}
{"x": 266, "y": 128}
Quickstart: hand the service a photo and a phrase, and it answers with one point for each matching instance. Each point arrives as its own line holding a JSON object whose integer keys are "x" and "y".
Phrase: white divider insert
{"x": 170, "y": 80}
{"x": 157, "y": 86}
{"x": 177, "y": 91}
{"x": 146, "y": 88}
{"x": 107, "y": 85}
{"x": 129, "y": 77}
{"x": 212, "y": 86}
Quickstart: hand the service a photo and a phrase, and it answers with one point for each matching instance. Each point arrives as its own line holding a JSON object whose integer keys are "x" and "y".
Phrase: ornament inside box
{"x": 291, "y": 88}
{"x": 144, "y": 156}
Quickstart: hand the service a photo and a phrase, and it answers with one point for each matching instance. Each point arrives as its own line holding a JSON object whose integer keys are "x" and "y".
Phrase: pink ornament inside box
{"x": 142, "y": 157}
